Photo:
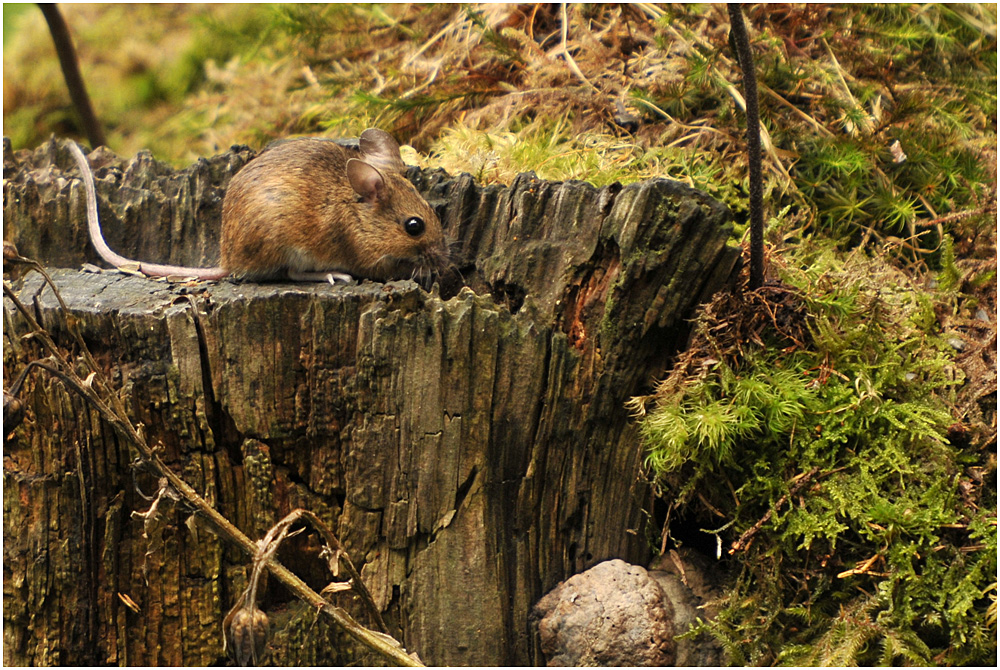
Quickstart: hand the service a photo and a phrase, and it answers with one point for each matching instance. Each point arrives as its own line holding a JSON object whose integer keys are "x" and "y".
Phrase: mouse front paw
{"x": 334, "y": 277}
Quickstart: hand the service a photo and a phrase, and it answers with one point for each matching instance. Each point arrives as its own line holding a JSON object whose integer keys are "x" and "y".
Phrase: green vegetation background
{"x": 837, "y": 430}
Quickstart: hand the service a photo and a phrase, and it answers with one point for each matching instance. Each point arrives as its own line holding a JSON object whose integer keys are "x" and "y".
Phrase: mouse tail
{"x": 97, "y": 237}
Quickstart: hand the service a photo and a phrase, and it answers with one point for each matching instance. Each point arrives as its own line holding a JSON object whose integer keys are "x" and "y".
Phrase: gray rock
{"x": 619, "y": 614}
{"x": 613, "y": 614}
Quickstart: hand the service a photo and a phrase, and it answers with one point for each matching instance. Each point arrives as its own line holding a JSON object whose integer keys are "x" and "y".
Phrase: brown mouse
{"x": 312, "y": 210}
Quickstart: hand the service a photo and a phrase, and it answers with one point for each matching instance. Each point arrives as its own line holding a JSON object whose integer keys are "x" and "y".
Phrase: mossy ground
{"x": 851, "y": 403}
{"x": 857, "y": 507}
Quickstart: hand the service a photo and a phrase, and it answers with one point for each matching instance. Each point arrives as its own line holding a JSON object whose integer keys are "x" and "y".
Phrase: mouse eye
{"x": 413, "y": 226}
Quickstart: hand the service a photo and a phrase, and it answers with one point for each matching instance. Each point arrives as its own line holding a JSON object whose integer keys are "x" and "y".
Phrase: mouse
{"x": 311, "y": 209}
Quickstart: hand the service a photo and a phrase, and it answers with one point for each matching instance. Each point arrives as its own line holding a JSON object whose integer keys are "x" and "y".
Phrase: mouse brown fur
{"x": 313, "y": 210}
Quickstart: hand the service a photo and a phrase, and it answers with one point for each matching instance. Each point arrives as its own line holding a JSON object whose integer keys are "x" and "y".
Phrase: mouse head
{"x": 400, "y": 236}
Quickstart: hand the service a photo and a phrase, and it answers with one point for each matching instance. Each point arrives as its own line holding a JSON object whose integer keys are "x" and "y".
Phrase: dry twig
{"x": 744, "y": 541}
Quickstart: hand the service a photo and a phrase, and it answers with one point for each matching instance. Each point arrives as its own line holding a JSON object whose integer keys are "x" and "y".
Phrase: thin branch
{"x": 746, "y": 537}
{"x": 71, "y": 72}
{"x": 745, "y": 58}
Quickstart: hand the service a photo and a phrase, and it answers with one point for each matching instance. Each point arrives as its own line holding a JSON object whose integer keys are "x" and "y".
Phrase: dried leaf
{"x": 335, "y": 587}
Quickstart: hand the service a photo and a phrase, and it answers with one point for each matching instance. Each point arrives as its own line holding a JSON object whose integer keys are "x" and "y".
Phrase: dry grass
{"x": 597, "y": 92}
{"x": 420, "y": 71}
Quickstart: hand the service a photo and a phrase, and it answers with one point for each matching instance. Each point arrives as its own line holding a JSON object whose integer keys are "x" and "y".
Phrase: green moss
{"x": 884, "y": 556}
{"x": 837, "y": 102}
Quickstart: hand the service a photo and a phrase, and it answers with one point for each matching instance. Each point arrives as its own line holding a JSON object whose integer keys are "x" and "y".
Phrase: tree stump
{"x": 469, "y": 445}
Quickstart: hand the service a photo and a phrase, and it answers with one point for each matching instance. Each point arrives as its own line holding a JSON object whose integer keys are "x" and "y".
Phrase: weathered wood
{"x": 470, "y": 446}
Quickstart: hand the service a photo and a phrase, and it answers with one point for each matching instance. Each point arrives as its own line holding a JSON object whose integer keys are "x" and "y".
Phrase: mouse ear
{"x": 381, "y": 150}
{"x": 365, "y": 179}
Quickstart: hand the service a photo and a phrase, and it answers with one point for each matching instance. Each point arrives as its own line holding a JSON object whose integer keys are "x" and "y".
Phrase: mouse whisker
{"x": 453, "y": 267}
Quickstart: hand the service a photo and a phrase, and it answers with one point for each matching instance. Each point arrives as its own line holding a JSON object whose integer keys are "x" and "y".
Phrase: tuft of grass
{"x": 548, "y": 149}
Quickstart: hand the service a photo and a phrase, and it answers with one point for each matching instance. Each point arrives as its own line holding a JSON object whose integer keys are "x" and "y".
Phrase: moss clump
{"x": 817, "y": 424}
{"x": 879, "y": 128}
